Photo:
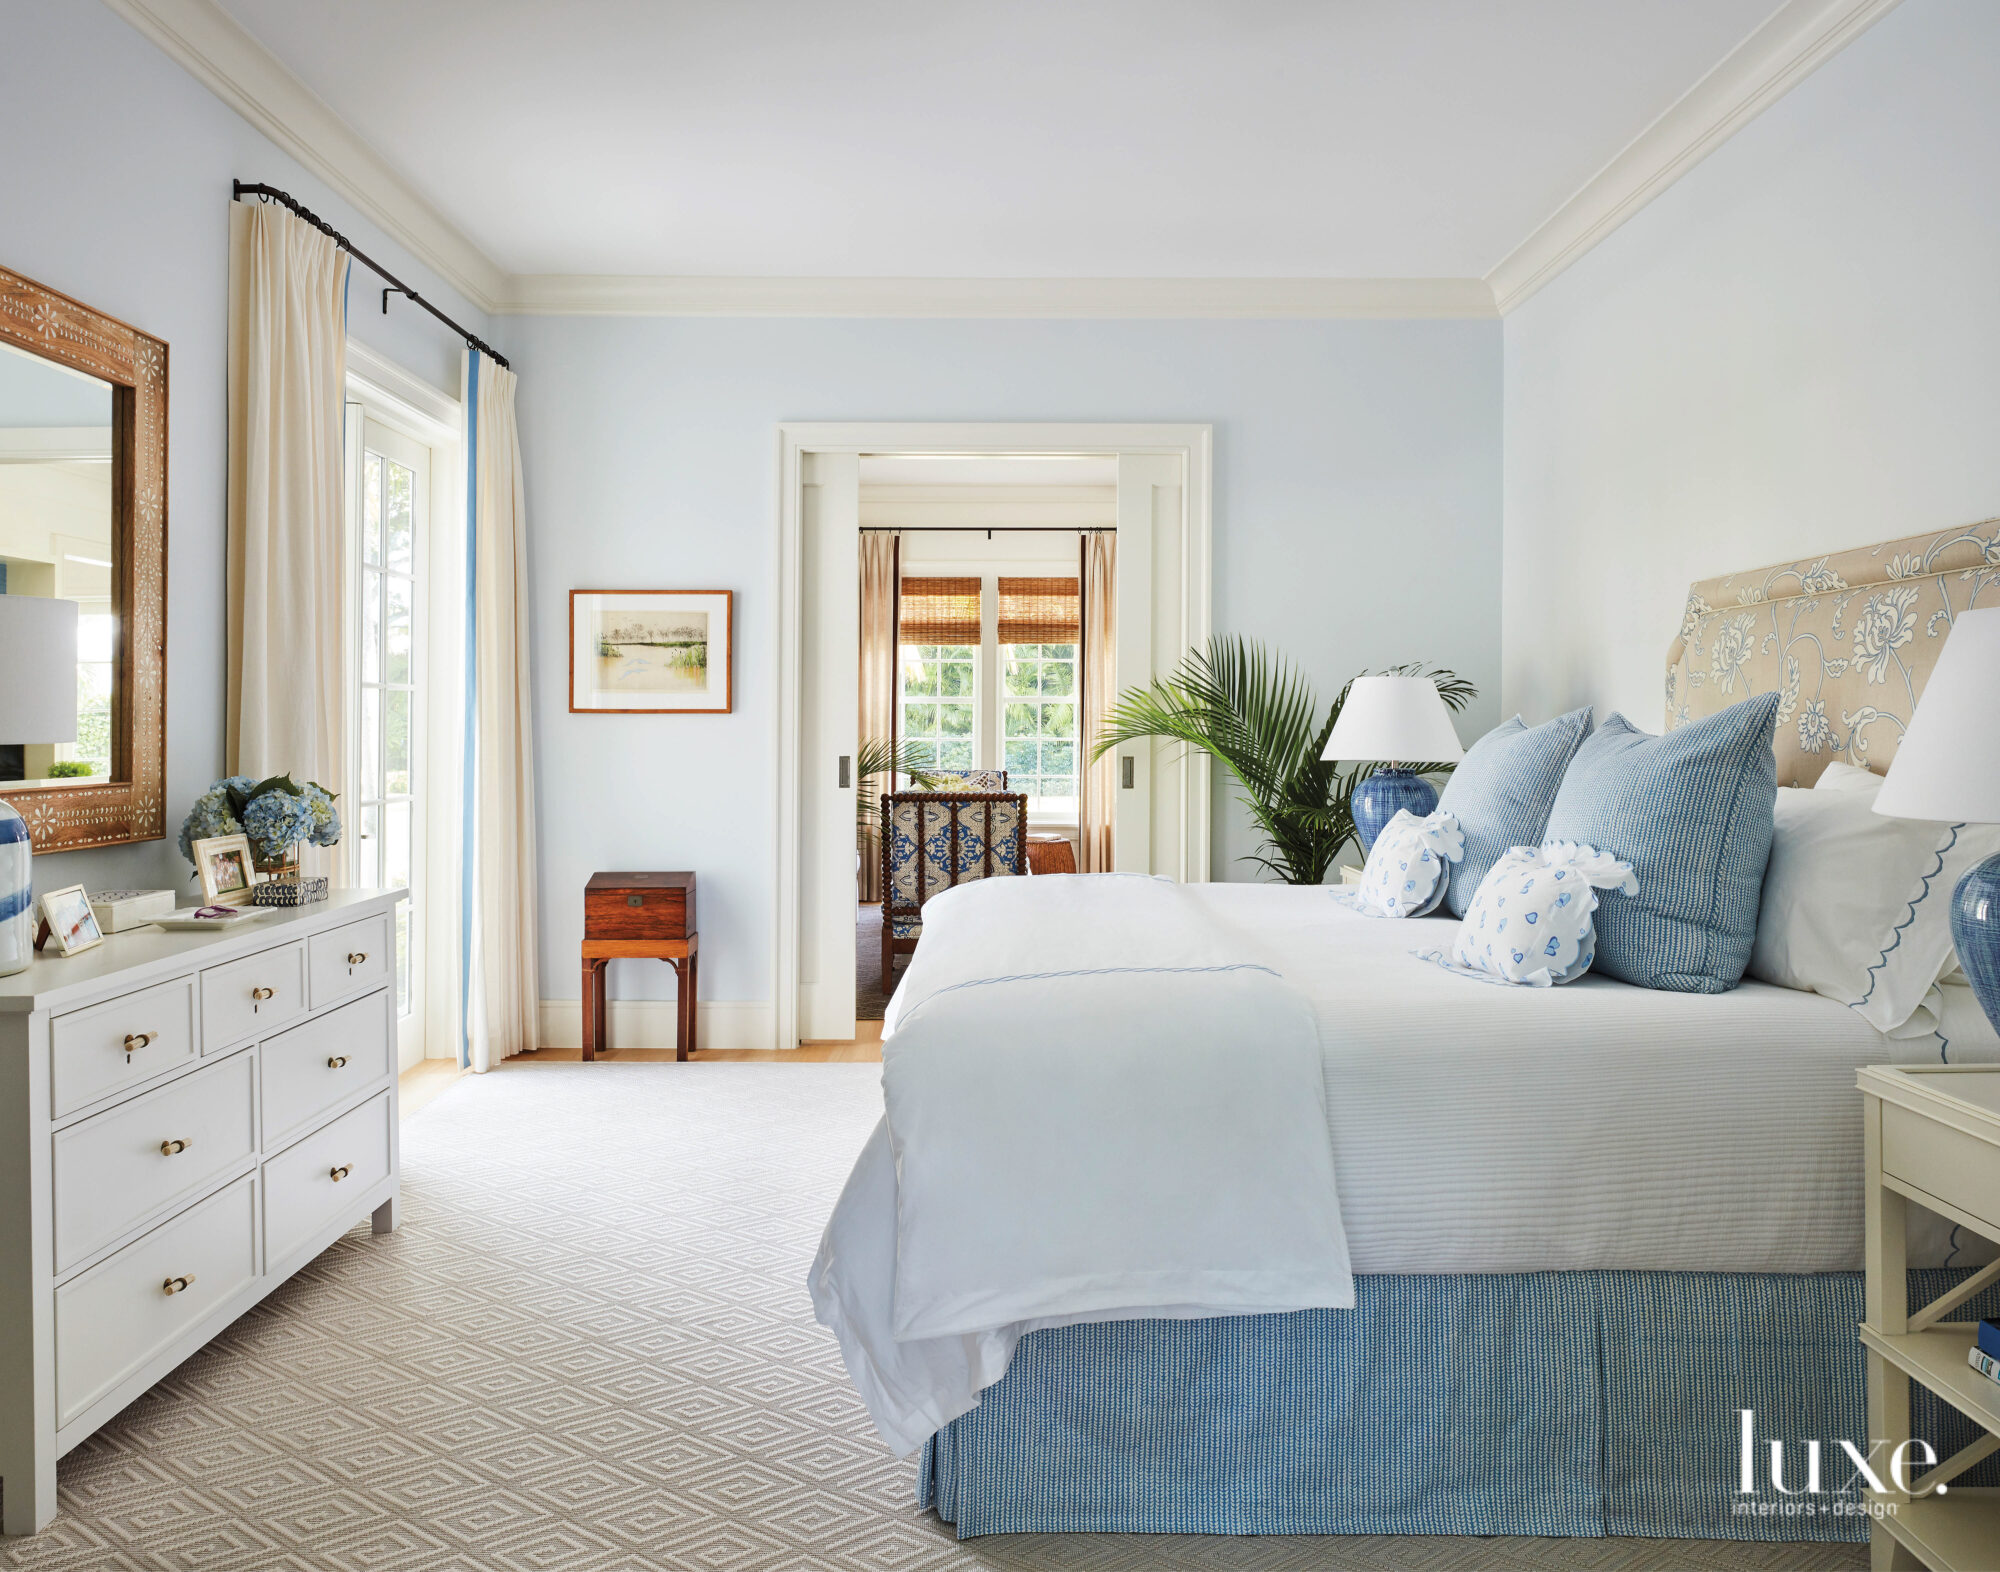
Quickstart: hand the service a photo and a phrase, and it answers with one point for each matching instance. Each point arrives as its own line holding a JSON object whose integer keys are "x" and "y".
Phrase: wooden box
{"x": 651, "y": 906}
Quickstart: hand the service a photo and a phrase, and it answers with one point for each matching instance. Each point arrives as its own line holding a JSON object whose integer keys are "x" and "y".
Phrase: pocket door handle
{"x": 177, "y": 1285}
{"x": 340, "y": 1173}
{"x": 338, "y": 1062}
{"x": 174, "y": 1148}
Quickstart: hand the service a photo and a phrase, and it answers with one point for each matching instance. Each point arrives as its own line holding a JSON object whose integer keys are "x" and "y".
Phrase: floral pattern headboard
{"x": 1847, "y": 641}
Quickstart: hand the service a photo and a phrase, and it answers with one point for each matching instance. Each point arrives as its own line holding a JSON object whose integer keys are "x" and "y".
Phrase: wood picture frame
{"x": 131, "y": 806}
{"x": 672, "y": 637}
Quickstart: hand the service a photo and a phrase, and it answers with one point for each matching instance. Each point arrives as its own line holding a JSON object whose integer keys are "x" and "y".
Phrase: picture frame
{"x": 652, "y": 652}
{"x": 72, "y": 924}
{"x": 228, "y": 871}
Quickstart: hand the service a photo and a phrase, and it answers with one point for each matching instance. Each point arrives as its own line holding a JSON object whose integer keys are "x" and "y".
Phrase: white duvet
{"x": 1102, "y": 1104}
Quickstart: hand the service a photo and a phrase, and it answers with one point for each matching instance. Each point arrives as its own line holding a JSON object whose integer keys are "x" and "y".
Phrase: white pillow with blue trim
{"x": 1530, "y": 925}
{"x": 1408, "y": 866}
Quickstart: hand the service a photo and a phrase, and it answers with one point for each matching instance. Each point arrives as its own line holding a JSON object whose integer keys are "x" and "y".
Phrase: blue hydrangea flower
{"x": 274, "y": 822}
{"x": 323, "y": 816}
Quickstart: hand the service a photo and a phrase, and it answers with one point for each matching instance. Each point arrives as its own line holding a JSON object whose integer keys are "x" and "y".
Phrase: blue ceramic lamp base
{"x": 1379, "y": 798}
{"x": 17, "y": 893}
{"x": 1975, "y": 928}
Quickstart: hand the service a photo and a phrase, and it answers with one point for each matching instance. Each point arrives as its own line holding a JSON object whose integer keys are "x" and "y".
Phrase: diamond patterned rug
{"x": 589, "y": 1349}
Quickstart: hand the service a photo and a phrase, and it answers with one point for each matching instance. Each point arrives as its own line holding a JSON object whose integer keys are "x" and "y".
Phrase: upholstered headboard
{"x": 1847, "y": 640}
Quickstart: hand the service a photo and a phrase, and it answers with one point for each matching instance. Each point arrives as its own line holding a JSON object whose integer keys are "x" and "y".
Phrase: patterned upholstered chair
{"x": 932, "y": 840}
{"x": 968, "y": 780}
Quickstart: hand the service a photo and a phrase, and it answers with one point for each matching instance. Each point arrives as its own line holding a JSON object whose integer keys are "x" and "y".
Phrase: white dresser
{"x": 185, "y": 1121}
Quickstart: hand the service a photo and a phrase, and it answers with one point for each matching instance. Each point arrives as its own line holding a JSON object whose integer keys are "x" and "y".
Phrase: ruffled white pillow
{"x": 1529, "y": 925}
{"x": 1407, "y": 867}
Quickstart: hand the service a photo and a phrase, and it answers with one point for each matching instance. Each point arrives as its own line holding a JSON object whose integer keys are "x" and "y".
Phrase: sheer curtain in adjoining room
{"x": 498, "y": 956}
{"x": 881, "y": 553}
{"x": 1097, "y": 804}
{"x": 287, "y": 682}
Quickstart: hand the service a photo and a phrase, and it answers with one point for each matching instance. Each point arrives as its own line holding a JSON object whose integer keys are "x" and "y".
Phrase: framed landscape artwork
{"x": 651, "y": 652}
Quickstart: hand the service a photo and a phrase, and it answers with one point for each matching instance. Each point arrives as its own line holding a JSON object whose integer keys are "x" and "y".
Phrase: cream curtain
{"x": 286, "y": 683}
{"x": 501, "y": 985}
{"x": 879, "y": 554}
{"x": 1098, "y": 810}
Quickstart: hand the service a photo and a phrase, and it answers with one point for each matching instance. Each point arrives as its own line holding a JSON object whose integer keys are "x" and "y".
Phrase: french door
{"x": 384, "y": 816}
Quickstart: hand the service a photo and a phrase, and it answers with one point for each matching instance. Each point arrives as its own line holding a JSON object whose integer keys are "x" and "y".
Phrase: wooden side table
{"x": 1931, "y": 1134}
{"x": 639, "y": 916}
{"x": 1051, "y": 854}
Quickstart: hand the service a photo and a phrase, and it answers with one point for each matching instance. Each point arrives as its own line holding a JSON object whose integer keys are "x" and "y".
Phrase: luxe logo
{"x": 1906, "y": 1455}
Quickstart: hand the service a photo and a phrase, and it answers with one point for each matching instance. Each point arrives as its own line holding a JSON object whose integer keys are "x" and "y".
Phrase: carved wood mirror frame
{"x": 131, "y": 806}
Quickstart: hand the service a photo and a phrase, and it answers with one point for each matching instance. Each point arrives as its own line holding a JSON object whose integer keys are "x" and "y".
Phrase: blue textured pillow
{"x": 1502, "y": 792}
{"x": 1691, "y": 812}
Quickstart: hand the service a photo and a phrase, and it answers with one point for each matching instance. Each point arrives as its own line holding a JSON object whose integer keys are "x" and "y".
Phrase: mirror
{"x": 83, "y": 518}
{"x": 56, "y": 540}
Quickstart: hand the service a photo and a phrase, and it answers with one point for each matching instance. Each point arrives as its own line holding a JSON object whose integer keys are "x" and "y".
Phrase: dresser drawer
{"x": 118, "y": 1315}
{"x": 138, "y": 1158}
{"x": 306, "y": 1186}
{"x": 313, "y": 1067}
{"x": 252, "y": 997}
{"x": 121, "y": 1043}
{"x": 345, "y": 960}
{"x": 1941, "y": 1161}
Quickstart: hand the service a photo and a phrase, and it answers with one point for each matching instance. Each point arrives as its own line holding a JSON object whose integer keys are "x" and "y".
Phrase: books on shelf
{"x": 1988, "y": 1340}
{"x": 1984, "y": 1363}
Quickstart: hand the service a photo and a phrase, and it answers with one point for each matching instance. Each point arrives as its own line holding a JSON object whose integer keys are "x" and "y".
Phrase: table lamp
{"x": 1397, "y": 720}
{"x": 37, "y": 704}
{"x": 1947, "y": 767}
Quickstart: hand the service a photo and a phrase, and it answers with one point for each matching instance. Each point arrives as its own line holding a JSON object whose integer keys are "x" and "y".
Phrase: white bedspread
{"x": 1102, "y": 1104}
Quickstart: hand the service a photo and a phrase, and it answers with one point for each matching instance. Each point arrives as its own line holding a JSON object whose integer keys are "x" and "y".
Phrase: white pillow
{"x": 1856, "y": 906}
{"x": 1529, "y": 924}
{"x": 1405, "y": 873}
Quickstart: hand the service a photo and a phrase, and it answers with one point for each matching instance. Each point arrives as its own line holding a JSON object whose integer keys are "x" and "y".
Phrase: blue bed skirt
{"x": 1557, "y": 1403}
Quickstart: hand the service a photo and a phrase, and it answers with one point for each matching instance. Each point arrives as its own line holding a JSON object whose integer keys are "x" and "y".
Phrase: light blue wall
{"x": 115, "y": 190}
{"x": 1794, "y": 350}
{"x": 1357, "y": 475}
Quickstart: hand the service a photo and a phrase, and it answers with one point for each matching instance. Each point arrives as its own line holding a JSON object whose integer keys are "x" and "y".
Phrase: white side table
{"x": 1932, "y": 1135}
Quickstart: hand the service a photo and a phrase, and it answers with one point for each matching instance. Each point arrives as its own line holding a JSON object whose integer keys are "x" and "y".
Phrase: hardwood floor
{"x": 424, "y": 1082}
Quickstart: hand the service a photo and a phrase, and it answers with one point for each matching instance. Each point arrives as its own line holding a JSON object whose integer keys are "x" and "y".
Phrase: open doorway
{"x": 987, "y": 665}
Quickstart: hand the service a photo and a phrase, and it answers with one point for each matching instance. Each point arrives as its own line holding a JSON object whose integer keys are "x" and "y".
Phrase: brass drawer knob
{"x": 177, "y": 1285}
{"x": 338, "y": 1062}
{"x": 340, "y": 1173}
{"x": 173, "y": 1148}
{"x": 261, "y": 994}
{"x": 134, "y": 1041}
{"x": 356, "y": 957}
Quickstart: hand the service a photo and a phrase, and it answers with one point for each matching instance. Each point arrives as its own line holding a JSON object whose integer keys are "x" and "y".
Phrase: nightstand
{"x": 1931, "y": 1135}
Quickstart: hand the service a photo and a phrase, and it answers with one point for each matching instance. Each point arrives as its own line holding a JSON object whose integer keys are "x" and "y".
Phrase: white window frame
{"x": 381, "y": 393}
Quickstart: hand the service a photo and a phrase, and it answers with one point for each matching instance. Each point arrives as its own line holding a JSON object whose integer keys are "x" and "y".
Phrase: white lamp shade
{"x": 1399, "y": 719}
{"x": 37, "y": 669}
{"x": 1947, "y": 766}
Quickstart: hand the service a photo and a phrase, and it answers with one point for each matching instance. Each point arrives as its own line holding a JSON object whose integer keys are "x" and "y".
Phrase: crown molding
{"x": 1800, "y": 37}
{"x": 214, "y": 48}
{"x": 568, "y": 294}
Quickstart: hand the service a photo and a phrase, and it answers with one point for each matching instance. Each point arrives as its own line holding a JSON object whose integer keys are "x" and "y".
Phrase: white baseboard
{"x": 649, "y": 1023}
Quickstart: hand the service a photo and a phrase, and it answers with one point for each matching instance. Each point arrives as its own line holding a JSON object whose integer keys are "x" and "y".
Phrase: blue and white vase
{"x": 1383, "y": 795}
{"x": 1975, "y": 928}
{"x": 17, "y": 893}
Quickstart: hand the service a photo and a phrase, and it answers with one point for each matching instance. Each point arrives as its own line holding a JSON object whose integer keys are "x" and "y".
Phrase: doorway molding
{"x": 1192, "y": 578}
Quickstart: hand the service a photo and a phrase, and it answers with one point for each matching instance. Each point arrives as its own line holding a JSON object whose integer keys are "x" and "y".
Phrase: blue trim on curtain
{"x": 469, "y": 764}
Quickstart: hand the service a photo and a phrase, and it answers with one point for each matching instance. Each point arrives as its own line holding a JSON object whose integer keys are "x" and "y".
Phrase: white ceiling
{"x": 1031, "y": 139}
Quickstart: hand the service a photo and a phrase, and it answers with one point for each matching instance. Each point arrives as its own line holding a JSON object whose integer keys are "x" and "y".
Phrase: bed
{"x": 1586, "y": 1227}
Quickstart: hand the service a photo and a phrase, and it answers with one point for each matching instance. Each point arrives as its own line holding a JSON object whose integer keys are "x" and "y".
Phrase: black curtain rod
{"x": 990, "y": 529}
{"x": 396, "y": 285}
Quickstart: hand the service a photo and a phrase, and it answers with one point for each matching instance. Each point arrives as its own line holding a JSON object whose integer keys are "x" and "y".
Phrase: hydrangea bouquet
{"x": 277, "y": 814}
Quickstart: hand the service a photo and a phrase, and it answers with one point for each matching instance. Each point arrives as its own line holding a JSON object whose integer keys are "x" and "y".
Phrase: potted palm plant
{"x": 1254, "y": 711}
{"x": 877, "y": 760}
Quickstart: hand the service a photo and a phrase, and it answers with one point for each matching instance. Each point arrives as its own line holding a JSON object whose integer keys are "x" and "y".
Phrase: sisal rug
{"x": 589, "y": 1349}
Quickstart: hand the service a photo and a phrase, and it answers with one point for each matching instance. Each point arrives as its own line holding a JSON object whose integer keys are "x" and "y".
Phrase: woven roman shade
{"x": 1039, "y": 611}
{"x": 939, "y": 611}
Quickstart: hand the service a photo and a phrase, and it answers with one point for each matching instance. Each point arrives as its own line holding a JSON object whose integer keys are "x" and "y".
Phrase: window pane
{"x": 396, "y": 742}
{"x": 922, "y": 752}
{"x": 396, "y": 664}
{"x": 93, "y": 714}
{"x": 955, "y": 720}
{"x": 371, "y": 509}
{"x": 955, "y": 755}
{"x": 1021, "y": 759}
{"x": 1020, "y": 720}
{"x": 371, "y": 742}
{"x": 368, "y": 845}
{"x": 1059, "y": 677}
{"x": 399, "y": 493}
{"x": 955, "y": 679}
{"x": 1058, "y": 720}
{"x": 919, "y": 720}
{"x": 1020, "y": 673}
{"x": 396, "y": 845}
{"x": 1059, "y": 758}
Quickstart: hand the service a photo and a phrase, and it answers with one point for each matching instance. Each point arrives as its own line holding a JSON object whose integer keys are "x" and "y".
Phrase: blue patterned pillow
{"x": 1691, "y": 812}
{"x": 1502, "y": 791}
